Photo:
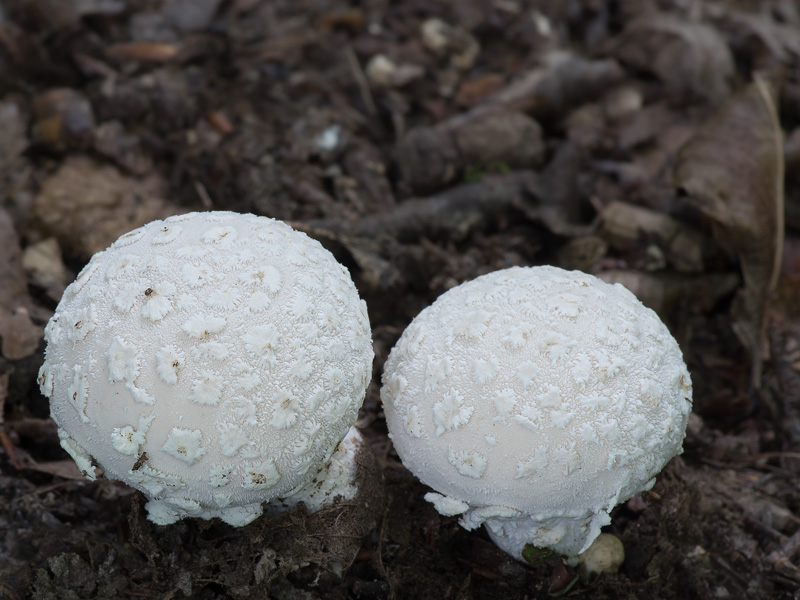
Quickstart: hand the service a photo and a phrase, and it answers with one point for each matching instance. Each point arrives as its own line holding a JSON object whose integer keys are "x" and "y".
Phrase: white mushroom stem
{"x": 565, "y": 535}
{"x": 512, "y": 529}
{"x": 336, "y": 481}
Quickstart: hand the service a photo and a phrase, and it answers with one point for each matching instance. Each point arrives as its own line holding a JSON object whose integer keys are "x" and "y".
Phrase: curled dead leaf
{"x": 732, "y": 170}
{"x": 686, "y": 56}
{"x": 666, "y": 293}
{"x": 682, "y": 246}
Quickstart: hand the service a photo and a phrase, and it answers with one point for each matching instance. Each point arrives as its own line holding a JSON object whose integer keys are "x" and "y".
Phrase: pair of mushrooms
{"x": 217, "y": 362}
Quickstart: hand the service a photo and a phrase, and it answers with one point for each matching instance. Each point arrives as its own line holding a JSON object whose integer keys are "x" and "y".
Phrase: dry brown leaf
{"x": 87, "y": 205}
{"x": 3, "y": 394}
{"x": 685, "y": 56}
{"x": 563, "y": 81}
{"x": 13, "y": 284}
{"x": 732, "y": 170}
{"x": 20, "y": 335}
{"x": 66, "y": 469}
{"x": 666, "y": 293}
{"x": 14, "y": 169}
{"x": 683, "y": 246}
{"x": 143, "y": 51}
{"x": 763, "y": 37}
{"x": 45, "y": 267}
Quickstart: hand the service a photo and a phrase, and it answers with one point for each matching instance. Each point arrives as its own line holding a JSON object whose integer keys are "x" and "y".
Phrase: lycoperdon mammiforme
{"x": 214, "y": 361}
{"x": 533, "y": 400}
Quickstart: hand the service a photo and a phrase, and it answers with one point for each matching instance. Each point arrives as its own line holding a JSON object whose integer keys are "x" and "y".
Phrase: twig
{"x": 453, "y": 212}
{"x": 361, "y": 80}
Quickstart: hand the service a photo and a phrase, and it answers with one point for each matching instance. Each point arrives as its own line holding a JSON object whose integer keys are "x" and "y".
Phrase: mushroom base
{"x": 336, "y": 480}
{"x": 565, "y": 535}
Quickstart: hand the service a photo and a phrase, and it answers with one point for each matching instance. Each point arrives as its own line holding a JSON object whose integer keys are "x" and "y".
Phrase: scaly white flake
{"x": 485, "y": 370}
{"x": 122, "y": 266}
{"x": 185, "y": 445}
{"x": 334, "y": 378}
{"x": 196, "y": 275}
{"x": 529, "y": 417}
{"x": 449, "y": 413}
{"x": 537, "y": 461}
{"x": 260, "y": 476}
{"x": 527, "y": 373}
{"x": 262, "y": 341}
{"x": 82, "y": 323}
{"x": 413, "y": 421}
{"x": 581, "y": 369}
{"x": 226, "y": 298}
{"x": 551, "y": 398}
{"x": 220, "y": 476}
{"x": 127, "y": 440}
{"x": 469, "y": 463}
{"x": 231, "y": 439}
{"x": 202, "y": 326}
{"x": 157, "y": 304}
{"x": 140, "y": 395}
{"x": 78, "y": 391}
{"x": 215, "y": 350}
{"x": 167, "y": 234}
{"x": 258, "y": 302}
{"x": 222, "y": 237}
{"x": 287, "y": 408}
{"x": 473, "y": 325}
{"x": 123, "y": 361}
{"x": 127, "y": 297}
{"x": 505, "y": 400}
{"x": 207, "y": 389}
{"x": 155, "y": 481}
{"x": 561, "y": 418}
{"x": 248, "y": 381}
{"x": 83, "y": 460}
{"x": 169, "y": 360}
{"x": 437, "y": 370}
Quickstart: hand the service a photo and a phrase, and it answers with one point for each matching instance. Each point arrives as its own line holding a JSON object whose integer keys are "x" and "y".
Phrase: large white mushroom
{"x": 214, "y": 361}
{"x": 534, "y": 400}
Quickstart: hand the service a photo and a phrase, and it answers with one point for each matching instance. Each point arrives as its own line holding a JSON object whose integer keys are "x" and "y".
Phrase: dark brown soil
{"x": 424, "y": 142}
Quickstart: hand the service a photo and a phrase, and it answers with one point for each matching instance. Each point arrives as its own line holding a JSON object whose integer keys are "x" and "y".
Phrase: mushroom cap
{"x": 211, "y": 360}
{"x": 536, "y": 393}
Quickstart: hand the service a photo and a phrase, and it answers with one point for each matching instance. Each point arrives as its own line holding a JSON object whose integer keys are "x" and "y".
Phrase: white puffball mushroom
{"x": 534, "y": 400}
{"x": 605, "y": 555}
{"x": 213, "y": 361}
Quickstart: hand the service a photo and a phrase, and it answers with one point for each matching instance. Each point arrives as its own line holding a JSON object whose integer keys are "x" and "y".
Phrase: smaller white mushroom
{"x": 605, "y": 555}
{"x": 534, "y": 400}
{"x": 214, "y": 361}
